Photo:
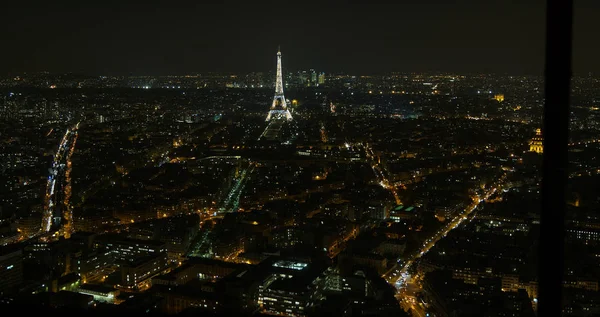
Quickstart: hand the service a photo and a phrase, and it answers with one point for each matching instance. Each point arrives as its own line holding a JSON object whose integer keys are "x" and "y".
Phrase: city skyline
{"x": 471, "y": 37}
{"x": 270, "y": 159}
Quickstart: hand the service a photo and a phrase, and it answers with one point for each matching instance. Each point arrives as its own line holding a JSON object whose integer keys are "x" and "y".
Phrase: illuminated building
{"x": 536, "y": 144}
{"x": 91, "y": 264}
{"x": 399, "y": 213}
{"x": 286, "y": 297}
{"x": 100, "y": 293}
{"x": 287, "y": 290}
{"x": 192, "y": 295}
{"x": 69, "y": 282}
{"x": 179, "y": 276}
{"x": 588, "y": 236}
{"x": 357, "y": 284}
{"x": 321, "y": 78}
{"x": 134, "y": 273}
{"x": 499, "y": 97}
{"x": 447, "y": 296}
{"x": 126, "y": 249}
{"x": 11, "y": 268}
{"x": 285, "y": 237}
{"x": 582, "y": 283}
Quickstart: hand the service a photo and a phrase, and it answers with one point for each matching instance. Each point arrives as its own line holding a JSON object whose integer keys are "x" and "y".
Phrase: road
{"x": 57, "y": 207}
{"x": 408, "y": 299}
{"x": 585, "y": 142}
{"x": 380, "y": 172}
{"x": 231, "y": 203}
{"x": 398, "y": 275}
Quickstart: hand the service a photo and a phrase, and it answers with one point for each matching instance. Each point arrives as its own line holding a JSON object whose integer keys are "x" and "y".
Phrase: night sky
{"x": 358, "y": 37}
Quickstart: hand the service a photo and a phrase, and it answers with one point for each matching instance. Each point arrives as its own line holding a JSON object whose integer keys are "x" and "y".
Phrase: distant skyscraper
{"x": 302, "y": 78}
{"x": 321, "y": 79}
{"x": 313, "y": 77}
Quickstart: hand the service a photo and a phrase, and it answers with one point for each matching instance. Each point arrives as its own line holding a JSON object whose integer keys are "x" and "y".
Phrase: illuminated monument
{"x": 536, "y": 144}
{"x": 279, "y": 107}
{"x": 280, "y": 126}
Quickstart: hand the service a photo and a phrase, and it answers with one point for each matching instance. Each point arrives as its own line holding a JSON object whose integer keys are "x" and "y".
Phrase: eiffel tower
{"x": 279, "y": 107}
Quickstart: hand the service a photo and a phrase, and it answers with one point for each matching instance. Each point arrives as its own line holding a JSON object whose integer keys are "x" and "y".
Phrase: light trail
{"x": 68, "y": 210}
{"x": 399, "y": 276}
{"x": 379, "y": 174}
{"x": 232, "y": 201}
{"x": 203, "y": 247}
{"x": 584, "y": 142}
{"x": 457, "y": 221}
{"x": 64, "y": 153}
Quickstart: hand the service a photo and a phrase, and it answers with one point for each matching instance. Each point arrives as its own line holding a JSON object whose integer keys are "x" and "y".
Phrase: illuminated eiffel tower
{"x": 279, "y": 107}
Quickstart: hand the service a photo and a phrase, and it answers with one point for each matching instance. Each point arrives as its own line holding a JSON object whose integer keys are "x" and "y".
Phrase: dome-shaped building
{"x": 537, "y": 142}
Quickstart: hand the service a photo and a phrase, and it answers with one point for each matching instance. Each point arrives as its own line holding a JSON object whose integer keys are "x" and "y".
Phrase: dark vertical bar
{"x": 559, "y": 20}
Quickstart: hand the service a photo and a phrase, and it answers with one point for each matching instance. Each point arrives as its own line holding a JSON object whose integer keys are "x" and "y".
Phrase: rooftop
{"x": 290, "y": 265}
{"x": 97, "y": 288}
{"x": 117, "y": 238}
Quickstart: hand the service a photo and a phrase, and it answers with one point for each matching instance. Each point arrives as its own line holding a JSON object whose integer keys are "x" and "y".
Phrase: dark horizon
{"x": 272, "y": 71}
{"x": 355, "y": 38}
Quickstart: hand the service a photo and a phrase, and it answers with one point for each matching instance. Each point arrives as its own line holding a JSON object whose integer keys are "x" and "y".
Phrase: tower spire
{"x": 279, "y": 106}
